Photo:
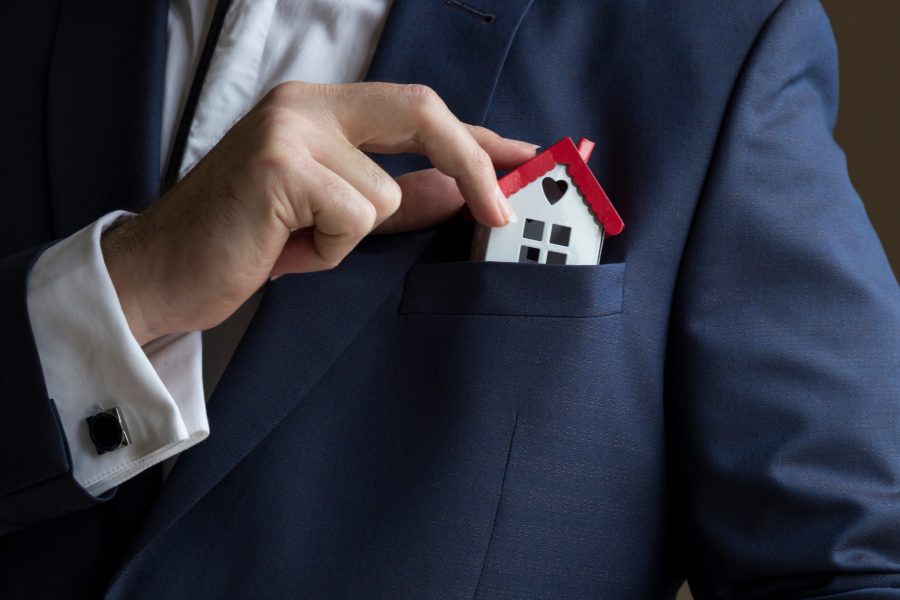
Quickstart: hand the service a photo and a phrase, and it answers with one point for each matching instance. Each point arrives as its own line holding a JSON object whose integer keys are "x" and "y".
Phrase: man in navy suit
{"x": 414, "y": 425}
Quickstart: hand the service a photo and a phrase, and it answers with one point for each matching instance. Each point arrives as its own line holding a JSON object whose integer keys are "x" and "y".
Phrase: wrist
{"x": 122, "y": 254}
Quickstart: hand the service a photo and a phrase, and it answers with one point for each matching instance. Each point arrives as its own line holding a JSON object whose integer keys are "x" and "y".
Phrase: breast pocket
{"x": 514, "y": 290}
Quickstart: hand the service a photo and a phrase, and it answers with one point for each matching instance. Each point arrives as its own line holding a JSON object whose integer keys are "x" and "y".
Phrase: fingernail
{"x": 528, "y": 145}
{"x": 508, "y": 213}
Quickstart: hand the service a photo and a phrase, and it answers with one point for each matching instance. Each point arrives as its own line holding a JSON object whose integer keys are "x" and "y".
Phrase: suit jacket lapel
{"x": 458, "y": 53}
{"x": 304, "y": 322}
{"x": 104, "y": 108}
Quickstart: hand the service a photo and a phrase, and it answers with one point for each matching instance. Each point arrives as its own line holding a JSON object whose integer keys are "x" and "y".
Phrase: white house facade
{"x": 563, "y": 212}
{"x": 552, "y": 229}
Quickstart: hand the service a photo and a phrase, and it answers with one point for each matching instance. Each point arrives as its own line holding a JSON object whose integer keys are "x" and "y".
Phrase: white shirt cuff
{"x": 91, "y": 362}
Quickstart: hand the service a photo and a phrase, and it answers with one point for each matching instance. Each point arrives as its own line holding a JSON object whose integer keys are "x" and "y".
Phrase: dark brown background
{"x": 868, "y": 35}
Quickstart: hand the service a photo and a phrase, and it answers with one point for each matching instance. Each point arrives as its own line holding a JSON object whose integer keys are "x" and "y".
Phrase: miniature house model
{"x": 563, "y": 212}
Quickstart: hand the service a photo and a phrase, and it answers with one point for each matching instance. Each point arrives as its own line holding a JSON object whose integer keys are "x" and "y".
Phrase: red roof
{"x": 565, "y": 153}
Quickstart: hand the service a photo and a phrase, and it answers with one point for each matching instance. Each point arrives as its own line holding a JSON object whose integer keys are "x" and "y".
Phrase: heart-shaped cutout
{"x": 554, "y": 189}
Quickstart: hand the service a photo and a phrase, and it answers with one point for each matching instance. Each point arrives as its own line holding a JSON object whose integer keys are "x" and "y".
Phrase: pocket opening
{"x": 514, "y": 290}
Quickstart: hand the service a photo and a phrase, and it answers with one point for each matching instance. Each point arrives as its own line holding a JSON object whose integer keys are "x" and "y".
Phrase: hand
{"x": 289, "y": 189}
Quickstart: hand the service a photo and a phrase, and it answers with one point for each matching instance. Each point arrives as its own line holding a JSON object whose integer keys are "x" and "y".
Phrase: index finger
{"x": 390, "y": 119}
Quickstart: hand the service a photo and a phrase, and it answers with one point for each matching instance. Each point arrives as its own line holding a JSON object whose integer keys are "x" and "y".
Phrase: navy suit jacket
{"x": 718, "y": 400}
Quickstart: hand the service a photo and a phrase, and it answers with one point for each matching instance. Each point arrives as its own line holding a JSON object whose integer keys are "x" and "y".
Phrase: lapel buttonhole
{"x": 486, "y": 17}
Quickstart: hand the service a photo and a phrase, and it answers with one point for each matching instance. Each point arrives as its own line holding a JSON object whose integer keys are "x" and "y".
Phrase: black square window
{"x": 560, "y": 235}
{"x": 556, "y": 258}
{"x": 534, "y": 230}
{"x": 527, "y": 254}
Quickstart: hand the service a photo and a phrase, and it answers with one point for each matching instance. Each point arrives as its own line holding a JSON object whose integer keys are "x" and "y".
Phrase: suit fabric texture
{"x": 717, "y": 400}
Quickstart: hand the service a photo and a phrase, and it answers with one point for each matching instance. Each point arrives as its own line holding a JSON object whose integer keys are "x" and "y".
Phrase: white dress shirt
{"x": 90, "y": 359}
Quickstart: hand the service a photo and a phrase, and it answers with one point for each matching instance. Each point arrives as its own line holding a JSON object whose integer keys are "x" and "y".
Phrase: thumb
{"x": 429, "y": 198}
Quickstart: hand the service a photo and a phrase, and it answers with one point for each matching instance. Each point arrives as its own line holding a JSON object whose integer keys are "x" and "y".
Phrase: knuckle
{"x": 273, "y": 156}
{"x": 420, "y": 94}
{"x": 279, "y": 143}
{"x": 424, "y": 102}
{"x": 284, "y": 92}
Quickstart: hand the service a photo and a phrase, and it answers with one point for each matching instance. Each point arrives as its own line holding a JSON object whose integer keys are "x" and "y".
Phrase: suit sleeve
{"x": 35, "y": 478}
{"x": 88, "y": 361}
{"x": 783, "y": 374}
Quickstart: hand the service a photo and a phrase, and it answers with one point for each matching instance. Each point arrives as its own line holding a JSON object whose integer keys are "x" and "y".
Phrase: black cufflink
{"x": 108, "y": 431}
